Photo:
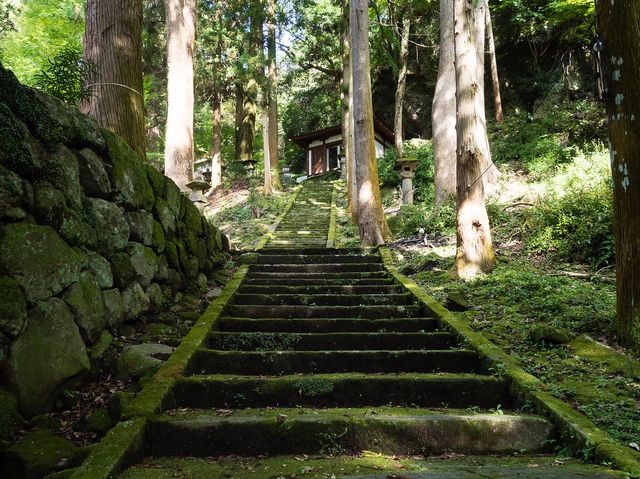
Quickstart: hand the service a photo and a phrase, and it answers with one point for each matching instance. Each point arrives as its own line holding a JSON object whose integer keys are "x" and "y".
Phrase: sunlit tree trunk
{"x": 372, "y": 224}
{"x": 268, "y": 189}
{"x": 272, "y": 85}
{"x": 475, "y": 252}
{"x": 216, "y": 141}
{"x": 443, "y": 116}
{"x": 495, "y": 81}
{"x": 402, "y": 84}
{"x": 181, "y": 36}
{"x": 347, "y": 122}
{"x": 112, "y": 40}
{"x": 239, "y": 117}
{"x": 251, "y": 87}
{"x": 620, "y": 60}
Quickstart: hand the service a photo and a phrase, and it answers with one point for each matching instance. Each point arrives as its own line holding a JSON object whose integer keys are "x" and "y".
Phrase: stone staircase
{"x": 322, "y": 366}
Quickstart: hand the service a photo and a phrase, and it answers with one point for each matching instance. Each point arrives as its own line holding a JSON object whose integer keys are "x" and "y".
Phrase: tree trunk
{"x": 372, "y": 224}
{"x": 474, "y": 247}
{"x": 112, "y": 39}
{"x": 216, "y": 141}
{"x": 239, "y": 117}
{"x": 402, "y": 84}
{"x": 618, "y": 25}
{"x": 495, "y": 81}
{"x": 347, "y": 122}
{"x": 443, "y": 116}
{"x": 255, "y": 75}
{"x": 181, "y": 37}
{"x": 266, "y": 126}
{"x": 272, "y": 85}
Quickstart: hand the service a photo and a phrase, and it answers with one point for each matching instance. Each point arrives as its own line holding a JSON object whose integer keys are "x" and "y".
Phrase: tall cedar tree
{"x": 474, "y": 247}
{"x": 347, "y": 118}
{"x": 402, "y": 82}
{"x": 620, "y": 60}
{"x": 272, "y": 92}
{"x": 372, "y": 224}
{"x": 181, "y": 36}
{"x": 113, "y": 41}
{"x": 495, "y": 81}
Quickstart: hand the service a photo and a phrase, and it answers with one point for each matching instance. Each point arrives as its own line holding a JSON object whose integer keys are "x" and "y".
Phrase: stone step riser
{"x": 326, "y": 325}
{"x": 424, "y": 391}
{"x": 482, "y": 434}
{"x": 317, "y": 268}
{"x": 313, "y": 300}
{"x": 281, "y": 289}
{"x": 319, "y": 276}
{"x": 325, "y": 362}
{"x": 330, "y": 252}
{"x": 330, "y": 341}
{"x": 318, "y": 283}
{"x": 317, "y": 259}
{"x": 285, "y": 312}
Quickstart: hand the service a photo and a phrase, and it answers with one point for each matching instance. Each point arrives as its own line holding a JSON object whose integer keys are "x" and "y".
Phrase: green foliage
{"x": 421, "y": 150}
{"x": 426, "y": 217}
{"x": 65, "y": 76}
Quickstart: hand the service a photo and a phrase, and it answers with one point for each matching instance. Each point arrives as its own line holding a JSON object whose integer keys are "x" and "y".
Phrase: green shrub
{"x": 433, "y": 220}
{"x": 421, "y": 150}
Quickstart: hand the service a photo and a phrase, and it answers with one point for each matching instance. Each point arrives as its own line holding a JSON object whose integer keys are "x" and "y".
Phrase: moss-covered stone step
{"x": 268, "y": 288}
{"x": 316, "y": 258}
{"x": 317, "y": 268}
{"x": 314, "y": 251}
{"x": 293, "y": 311}
{"x": 326, "y": 325}
{"x": 209, "y": 361}
{"x": 295, "y": 431}
{"x": 373, "y": 300}
{"x": 341, "y": 390}
{"x": 323, "y": 278}
{"x": 261, "y": 341}
{"x": 296, "y": 243}
{"x": 369, "y": 466}
{"x": 310, "y": 282}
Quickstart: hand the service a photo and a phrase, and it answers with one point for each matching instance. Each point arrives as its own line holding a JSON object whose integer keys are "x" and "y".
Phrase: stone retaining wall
{"x": 90, "y": 236}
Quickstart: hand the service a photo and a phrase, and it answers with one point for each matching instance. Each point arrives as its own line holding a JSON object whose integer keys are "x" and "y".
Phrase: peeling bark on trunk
{"x": 268, "y": 188}
{"x": 112, "y": 39}
{"x": 618, "y": 25}
{"x": 347, "y": 119}
{"x": 181, "y": 37}
{"x": 272, "y": 82}
{"x": 402, "y": 84}
{"x": 443, "y": 116}
{"x": 495, "y": 81}
{"x": 372, "y": 224}
{"x": 474, "y": 247}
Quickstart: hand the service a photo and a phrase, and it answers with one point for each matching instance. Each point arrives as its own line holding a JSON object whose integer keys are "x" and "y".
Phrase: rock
{"x": 249, "y": 258}
{"x": 74, "y": 230}
{"x": 192, "y": 217}
{"x": 10, "y": 418}
{"x": 101, "y": 269}
{"x": 171, "y": 252}
{"x": 134, "y": 301}
{"x": 156, "y": 299}
{"x": 201, "y": 282}
{"x": 141, "y": 226}
{"x": 173, "y": 196}
{"x": 158, "y": 238}
{"x": 5, "y": 342}
{"x": 39, "y": 260}
{"x": 113, "y": 307}
{"x": 165, "y": 216}
{"x": 13, "y": 307}
{"x": 112, "y": 229}
{"x": 548, "y": 334}
{"x": 174, "y": 279}
{"x": 49, "y": 352}
{"x": 40, "y": 453}
{"x": 213, "y": 293}
{"x": 14, "y": 145}
{"x": 117, "y": 403}
{"x": 221, "y": 276}
{"x": 85, "y": 301}
{"x": 201, "y": 252}
{"x": 122, "y": 269}
{"x": 457, "y": 300}
{"x": 50, "y": 203}
{"x": 93, "y": 176}
{"x": 190, "y": 242}
{"x": 101, "y": 346}
{"x": 163, "y": 269}
{"x": 144, "y": 262}
{"x": 127, "y": 174}
{"x": 63, "y": 172}
{"x": 156, "y": 180}
{"x": 142, "y": 359}
{"x": 11, "y": 192}
{"x": 99, "y": 422}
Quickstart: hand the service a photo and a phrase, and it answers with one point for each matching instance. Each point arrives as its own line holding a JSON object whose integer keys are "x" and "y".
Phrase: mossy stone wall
{"x": 88, "y": 231}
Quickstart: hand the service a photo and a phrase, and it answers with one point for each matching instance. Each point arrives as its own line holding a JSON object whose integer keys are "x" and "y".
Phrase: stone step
{"x": 313, "y": 300}
{"x": 318, "y": 259}
{"x": 369, "y": 466}
{"x": 305, "y": 282}
{"x": 292, "y": 431}
{"x": 293, "y": 311}
{"x": 313, "y": 251}
{"x": 319, "y": 276}
{"x": 261, "y": 341}
{"x": 326, "y": 325}
{"x": 317, "y": 268}
{"x": 313, "y": 289}
{"x": 296, "y": 243}
{"x": 210, "y": 361}
{"x": 352, "y": 390}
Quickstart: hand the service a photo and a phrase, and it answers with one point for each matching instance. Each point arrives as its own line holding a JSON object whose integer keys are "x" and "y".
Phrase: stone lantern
{"x": 198, "y": 186}
{"x": 407, "y": 167}
{"x": 343, "y": 164}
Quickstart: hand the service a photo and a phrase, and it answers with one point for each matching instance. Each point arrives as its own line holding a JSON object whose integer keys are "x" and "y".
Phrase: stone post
{"x": 407, "y": 167}
{"x": 343, "y": 165}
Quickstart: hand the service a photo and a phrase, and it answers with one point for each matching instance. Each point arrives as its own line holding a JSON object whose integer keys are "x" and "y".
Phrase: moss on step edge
{"x": 269, "y": 234}
{"x": 124, "y": 443}
{"x": 577, "y": 433}
{"x": 331, "y": 237}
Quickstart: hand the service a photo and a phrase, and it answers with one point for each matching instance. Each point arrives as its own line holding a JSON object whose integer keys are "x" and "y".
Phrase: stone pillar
{"x": 343, "y": 165}
{"x": 407, "y": 168}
